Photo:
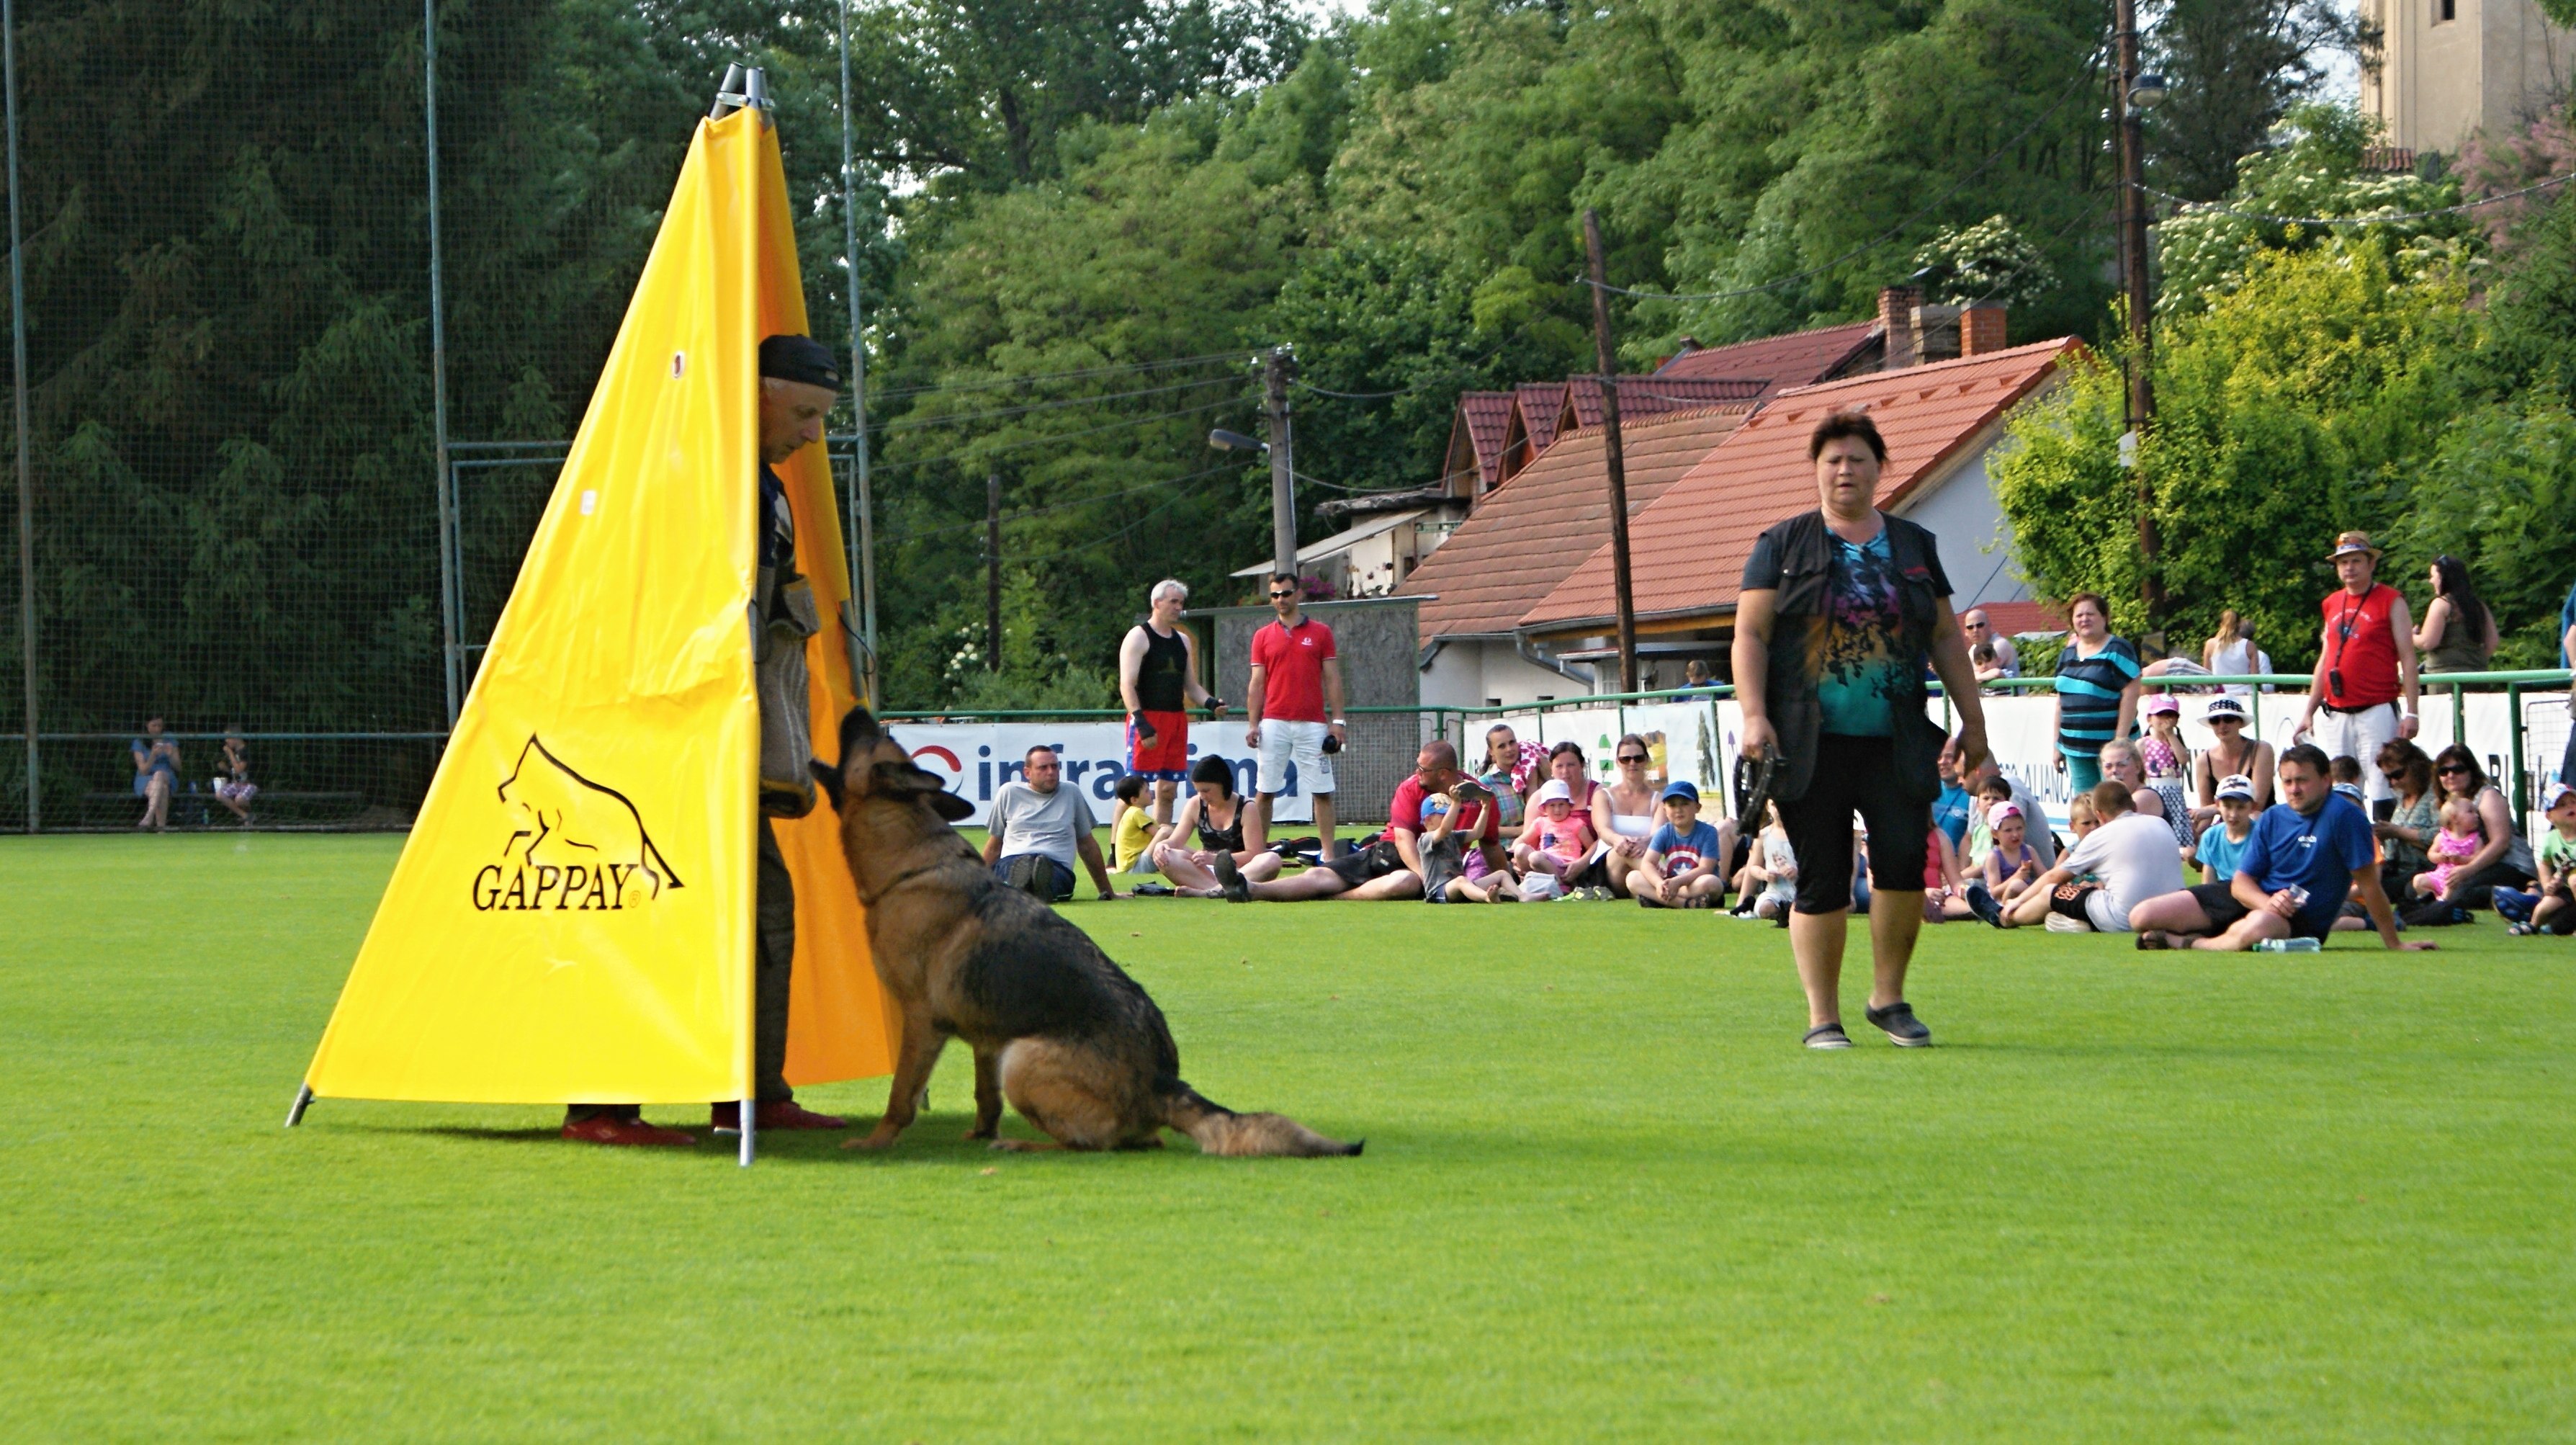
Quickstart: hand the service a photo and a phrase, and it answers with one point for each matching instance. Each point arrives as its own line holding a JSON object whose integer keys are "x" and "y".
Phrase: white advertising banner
{"x": 976, "y": 759}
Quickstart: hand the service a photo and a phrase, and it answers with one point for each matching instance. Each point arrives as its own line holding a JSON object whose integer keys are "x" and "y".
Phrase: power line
{"x": 1355, "y": 395}
{"x": 1890, "y": 234}
{"x": 1027, "y": 512}
{"x": 1040, "y": 376}
{"x": 2214, "y": 207}
{"x": 985, "y": 451}
{"x": 914, "y": 421}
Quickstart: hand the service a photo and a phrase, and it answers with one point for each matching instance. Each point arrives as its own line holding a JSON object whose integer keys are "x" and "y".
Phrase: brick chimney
{"x": 1981, "y": 330}
{"x": 1896, "y": 322}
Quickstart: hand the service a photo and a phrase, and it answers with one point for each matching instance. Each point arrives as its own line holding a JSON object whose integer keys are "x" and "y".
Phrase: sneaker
{"x": 1982, "y": 903}
{"x": 2519, "y": 930}
{"x": 1901, "y": 1026}
{"x": 627, "y": 1132}
{"x": 1827, "y": 1036}
{"x": 1230, "y": 880}
{"x": 2060, "y": 923}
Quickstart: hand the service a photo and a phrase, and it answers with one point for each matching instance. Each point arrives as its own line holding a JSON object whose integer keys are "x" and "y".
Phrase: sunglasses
{"x": 2447, "y": 769}
{"x": 1632, "y": 757}
{"x": 1275, "y": 596}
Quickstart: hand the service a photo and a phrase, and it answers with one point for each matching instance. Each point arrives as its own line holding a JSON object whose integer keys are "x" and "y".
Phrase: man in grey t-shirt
{"x": 1038, "y": 828}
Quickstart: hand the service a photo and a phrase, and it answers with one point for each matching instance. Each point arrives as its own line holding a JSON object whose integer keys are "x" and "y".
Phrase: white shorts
{"x": 2360, "y": 736}
{"x": 1301, "y": 743}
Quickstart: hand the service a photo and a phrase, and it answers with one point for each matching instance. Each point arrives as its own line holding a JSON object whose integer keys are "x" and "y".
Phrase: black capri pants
{"x": 1854, "y": 774}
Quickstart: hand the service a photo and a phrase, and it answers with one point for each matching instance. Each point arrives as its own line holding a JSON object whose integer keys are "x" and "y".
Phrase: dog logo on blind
{"x": 576, "y": 846}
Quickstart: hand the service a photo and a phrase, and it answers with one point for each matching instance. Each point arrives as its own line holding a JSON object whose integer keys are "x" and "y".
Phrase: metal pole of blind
{"x": 862, "y": 506}
{"x": 451, "y": 608}
{"x": 18, "y": 388}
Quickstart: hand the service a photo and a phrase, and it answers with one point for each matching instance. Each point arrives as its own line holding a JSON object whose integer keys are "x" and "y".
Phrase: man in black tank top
{"x": 1158, "y": 678}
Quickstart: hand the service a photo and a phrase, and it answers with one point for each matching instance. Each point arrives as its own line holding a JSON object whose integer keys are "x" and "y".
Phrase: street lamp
{"x": 2146, "y": 92}
{"x": 1235, "y": 441}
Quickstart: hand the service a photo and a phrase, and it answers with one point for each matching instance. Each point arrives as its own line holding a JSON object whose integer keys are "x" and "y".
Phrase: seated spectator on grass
{"x": 2132, "y": 854}
{"x": 1975, "y": 779}
{"x": 156, "y": 775}
{"x": 2302, "y": 858}
{"x": 2504, "y": 858}
{"x": 1463, "y": 867}
{"x": 1683, "y": 858}
{"x": 1623, "y": 813}
{"x": 1214, "y": 812}
{"x": 1037, "y": 829}
{"x": 2453, "y": 847}
{"x": 1945, "y": 890}
{"x": 2011, "y": 866}
{"x": 2168, "y": 763}
{"x": 2232, "y": 755}
{"x": 1511, "y": 769}
{"x": 1557, "y": 840}
{"x": 2408, "y": 830}
{"x": 2553, "y": 908}
{"x": 1991, "y": 794}
{"x": 1131, "y": 836}
{"x": 1565, "y": 765}
{"x": 1953, "y": 810}
{"x": 1393, "y": 866}
{"x": 2122, "y": 764}
{"x": 233, "y": 787}
{"x": 2224, "y": 842}
{"x": 1769, "y": 883}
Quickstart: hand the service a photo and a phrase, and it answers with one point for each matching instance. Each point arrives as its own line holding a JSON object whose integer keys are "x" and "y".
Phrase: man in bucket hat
{"x": 2365, "y": 664}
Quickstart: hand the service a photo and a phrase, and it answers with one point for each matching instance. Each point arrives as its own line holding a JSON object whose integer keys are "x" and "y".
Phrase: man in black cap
{"x": 798, "y": 384}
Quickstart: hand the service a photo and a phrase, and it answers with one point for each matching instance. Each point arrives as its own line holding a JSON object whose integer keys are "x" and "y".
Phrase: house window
{"x": 2445, "y": 10}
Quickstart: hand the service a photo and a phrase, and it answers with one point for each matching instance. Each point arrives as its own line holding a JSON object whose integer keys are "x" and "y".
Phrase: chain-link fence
{"x": 269, "y": 267}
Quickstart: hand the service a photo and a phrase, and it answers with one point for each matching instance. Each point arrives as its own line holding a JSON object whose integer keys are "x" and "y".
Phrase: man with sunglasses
{"x": 2365, "y": 663}
{"x": 1296, "y": 685}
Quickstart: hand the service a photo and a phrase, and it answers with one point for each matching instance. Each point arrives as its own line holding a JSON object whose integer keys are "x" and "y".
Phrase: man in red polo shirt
{"x": 1295, "y": 673}
{"x": 2365, "y": 664}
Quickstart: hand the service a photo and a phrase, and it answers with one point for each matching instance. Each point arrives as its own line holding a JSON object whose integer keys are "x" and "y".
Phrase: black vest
{"x": 1804, "y": 545}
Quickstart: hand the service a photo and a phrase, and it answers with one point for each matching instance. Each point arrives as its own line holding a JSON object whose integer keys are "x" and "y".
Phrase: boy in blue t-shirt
{"x": 2222, "y": 842}
{"x": 1682, "y": 858}
{"x": 2303, "y": 857}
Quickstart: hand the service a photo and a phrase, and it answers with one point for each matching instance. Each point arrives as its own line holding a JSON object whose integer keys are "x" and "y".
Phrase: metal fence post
{"x": 450, "y": 615}
{"x": 2513, "y": 731}
{"x": 18, "y": 386}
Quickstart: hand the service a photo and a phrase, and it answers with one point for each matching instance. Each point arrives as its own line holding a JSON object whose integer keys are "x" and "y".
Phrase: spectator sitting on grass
{"x": 2453, "y": 847}
{"x": 1131, "y": 836}
{"x": 2168, "y": 763}
{"x": 1773, "y": 870}
{"x": 1956, "y": 808}
{"x": 1975, "y": 780}
{"x": 1683, "y": 858}
{"x": 2504, "y": 858}
{"x": 1039, "y": 827}
{"x": 2011, "y": 866}
{"x": 2304, "y": 856}
{"x": 2224, "y": 842}
{"x": 1451, "y": 872}
{"x": 1945, "y": 890}
{"x": 2122, "y": 764}
{"x": 2553, "y": 909}
{"x": 2233, "y": 754}
{"x": 1991, "y": 794}
{"x": 2132, "y": 854}
{"x": 1558, "y": 839}
{"x": 1623, "y": 812}
{"x": 2409, "y": 830}
{"x": 1214, "y": 811}
{"x": 233, "y": 787}
{"x": 1511, "y": 769}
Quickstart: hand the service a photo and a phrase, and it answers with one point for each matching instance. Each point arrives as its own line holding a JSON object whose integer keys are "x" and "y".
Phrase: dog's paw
{"x": 974, "y": 1134}
{"x": 878, "y": 1140}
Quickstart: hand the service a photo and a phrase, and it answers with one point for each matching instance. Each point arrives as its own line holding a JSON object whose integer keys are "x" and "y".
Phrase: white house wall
{"x": 1465, "y": 674}
{"x": 1976, "y": 540}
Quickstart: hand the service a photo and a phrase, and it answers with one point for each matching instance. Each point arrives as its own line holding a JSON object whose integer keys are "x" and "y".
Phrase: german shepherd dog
{"x": 1058, "y": 1029}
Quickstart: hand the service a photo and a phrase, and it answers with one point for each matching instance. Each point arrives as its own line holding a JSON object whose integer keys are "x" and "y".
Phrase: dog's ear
{"x": 910, "y": 780}
{"x": 859, "y": 732}
{"x": 830, "y": 779}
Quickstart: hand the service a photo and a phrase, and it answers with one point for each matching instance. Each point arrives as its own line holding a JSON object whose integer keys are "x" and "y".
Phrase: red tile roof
{"x": 1476, "y": 440}
{"x": 1527, "y": 534}
{"x": 1801, "y": 358}
{"x": 1535, "y": 407}
{"x": 1688, "y": 549}
{"x": 1650, "y": 396}
{"x": 2015, "y": 618}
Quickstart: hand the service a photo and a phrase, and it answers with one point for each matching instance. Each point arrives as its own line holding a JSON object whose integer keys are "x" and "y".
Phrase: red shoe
{"x": 777, "y": 1114}
{"x": 627, "y": 1132}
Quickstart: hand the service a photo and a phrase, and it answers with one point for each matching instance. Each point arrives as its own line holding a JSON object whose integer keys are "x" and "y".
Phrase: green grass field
{"x": 2137, "y": 1197}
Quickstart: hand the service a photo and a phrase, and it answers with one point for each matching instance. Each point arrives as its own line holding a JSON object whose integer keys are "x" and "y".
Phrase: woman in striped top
{"x": 2097, "y": 691}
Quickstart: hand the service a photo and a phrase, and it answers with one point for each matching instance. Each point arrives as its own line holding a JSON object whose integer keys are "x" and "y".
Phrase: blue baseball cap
{"x": 1681, "y": 788}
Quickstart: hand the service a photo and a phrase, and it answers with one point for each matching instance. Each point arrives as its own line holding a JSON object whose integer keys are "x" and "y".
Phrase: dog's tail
{"x": 1219, "y": 1130}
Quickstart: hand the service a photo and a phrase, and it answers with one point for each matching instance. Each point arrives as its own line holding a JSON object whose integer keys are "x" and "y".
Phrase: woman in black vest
{"x": 1841, "y": 608}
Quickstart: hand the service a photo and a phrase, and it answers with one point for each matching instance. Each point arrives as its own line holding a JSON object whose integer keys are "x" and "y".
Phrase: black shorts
{"x": 1854, "y": 774}
{"x": 2218, "y": 900}
{"x": 2067, "y": 900}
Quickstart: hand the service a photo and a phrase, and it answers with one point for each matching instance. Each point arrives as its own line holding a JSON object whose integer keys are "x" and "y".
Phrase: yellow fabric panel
{"x": 839, "y": 1023}
{"x": 571, "y": 918}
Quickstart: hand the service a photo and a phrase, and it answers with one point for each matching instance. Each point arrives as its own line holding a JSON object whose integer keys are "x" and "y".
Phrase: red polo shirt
{"x": 1292, "y": 666}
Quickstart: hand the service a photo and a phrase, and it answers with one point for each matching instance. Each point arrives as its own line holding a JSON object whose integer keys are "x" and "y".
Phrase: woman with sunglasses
{"x": 2506, "y": 856}
{"x": 2409, "y": 831}
{"x": 2232, "y": 755}
{"x": 1623, "y": 813}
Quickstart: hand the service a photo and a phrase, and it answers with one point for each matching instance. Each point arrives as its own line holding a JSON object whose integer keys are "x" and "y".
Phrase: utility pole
{"x": 18, "y": 386}
{"x": 2131, "y": 113}
{"x": 993, "y": 571}
{"x": 1275, "y": 372}
{"x": 1610, "y": 453}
